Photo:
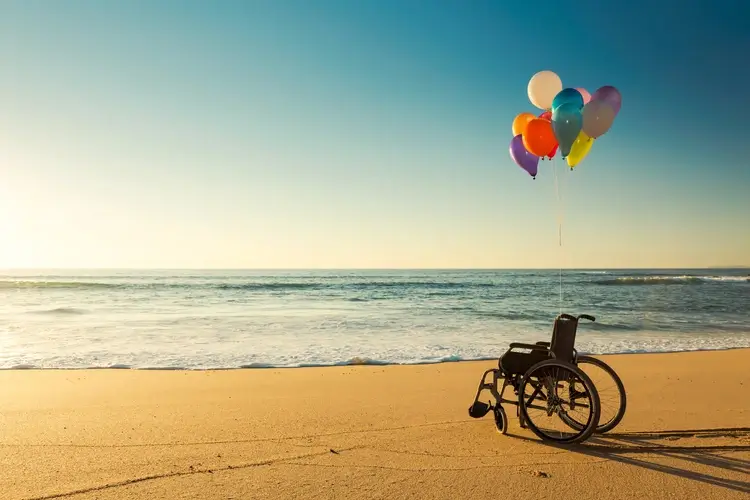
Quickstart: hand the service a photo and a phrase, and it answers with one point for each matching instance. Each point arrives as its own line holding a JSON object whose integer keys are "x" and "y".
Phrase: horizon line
{"x": 366, "y": 268}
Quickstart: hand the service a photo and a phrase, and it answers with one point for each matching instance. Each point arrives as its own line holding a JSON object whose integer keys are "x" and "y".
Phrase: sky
{"x": 366, "y": 134}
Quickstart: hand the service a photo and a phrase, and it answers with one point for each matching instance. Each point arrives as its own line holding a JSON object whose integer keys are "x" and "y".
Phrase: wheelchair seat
{"x": 518, "y": 363}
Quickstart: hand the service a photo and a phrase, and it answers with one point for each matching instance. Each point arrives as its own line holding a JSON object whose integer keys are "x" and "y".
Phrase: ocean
{"x": 245, "y": 319}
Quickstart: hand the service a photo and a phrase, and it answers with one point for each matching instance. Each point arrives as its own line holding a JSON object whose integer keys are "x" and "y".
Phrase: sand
{"x": 364, "y": 432}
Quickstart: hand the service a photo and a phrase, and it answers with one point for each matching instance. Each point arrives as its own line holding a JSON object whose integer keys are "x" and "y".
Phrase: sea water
{"x": 234, "y": 319}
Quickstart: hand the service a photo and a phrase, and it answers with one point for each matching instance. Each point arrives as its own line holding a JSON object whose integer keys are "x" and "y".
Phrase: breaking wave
{"x": 672, "y": 280}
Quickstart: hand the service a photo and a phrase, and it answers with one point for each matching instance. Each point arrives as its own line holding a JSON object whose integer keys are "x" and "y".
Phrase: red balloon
{"x": 547, "y": 115}
{"x": 539, "y": 138}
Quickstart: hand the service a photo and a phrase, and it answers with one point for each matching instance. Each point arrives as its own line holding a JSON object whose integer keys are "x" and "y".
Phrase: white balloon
{"x": 543, "y": 87}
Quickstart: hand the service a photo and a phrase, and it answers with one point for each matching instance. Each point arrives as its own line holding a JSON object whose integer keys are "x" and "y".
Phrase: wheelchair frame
{"x": 560, "y": 352}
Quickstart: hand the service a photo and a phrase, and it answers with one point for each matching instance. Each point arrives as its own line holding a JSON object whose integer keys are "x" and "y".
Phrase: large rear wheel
{"x": 551, "y": 393}
{"x": 611, "y": 392}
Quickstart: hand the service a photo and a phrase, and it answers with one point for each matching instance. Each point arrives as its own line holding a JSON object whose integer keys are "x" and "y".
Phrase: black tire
{"x": 614, "y": 421}
{"x": 621, "y": 398}
{"x": 501, "y": 419}
{"x": 550, "y": 374}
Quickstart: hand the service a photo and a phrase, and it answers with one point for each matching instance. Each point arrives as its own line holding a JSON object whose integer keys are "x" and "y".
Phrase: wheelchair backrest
{"x": 564, "y": 338}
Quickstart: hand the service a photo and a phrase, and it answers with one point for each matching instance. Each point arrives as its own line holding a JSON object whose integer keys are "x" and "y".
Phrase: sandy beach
{"x": 364, "y": 432}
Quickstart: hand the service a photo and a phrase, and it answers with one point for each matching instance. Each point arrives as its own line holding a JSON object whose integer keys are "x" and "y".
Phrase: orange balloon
{"x": 520, "y": 122}
{"x": 539, "y": 139}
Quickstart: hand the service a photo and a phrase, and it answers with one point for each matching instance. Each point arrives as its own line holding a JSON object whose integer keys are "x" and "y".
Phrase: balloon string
{"x": 563, "y": 209}
{"x": 559, "y": 225}
{"x": 564, "y": 190}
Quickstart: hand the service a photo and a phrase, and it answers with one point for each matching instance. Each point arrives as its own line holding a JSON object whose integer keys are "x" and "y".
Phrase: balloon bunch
{"x": 571, "y": 121}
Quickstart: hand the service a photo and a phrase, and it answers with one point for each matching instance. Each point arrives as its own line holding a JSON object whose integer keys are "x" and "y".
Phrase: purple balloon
{"x": 522, "y": 157}
{"x": 610, "y": 95}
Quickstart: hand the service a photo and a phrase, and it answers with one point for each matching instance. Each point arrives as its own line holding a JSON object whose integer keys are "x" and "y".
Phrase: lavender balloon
{"x": 610, "y": 95}
{"x": 522, "y": 157}
{"x": 598, "y": 116}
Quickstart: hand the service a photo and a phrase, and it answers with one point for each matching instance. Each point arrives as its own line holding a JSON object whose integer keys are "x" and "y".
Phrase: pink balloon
{"x": 585, "y": 94}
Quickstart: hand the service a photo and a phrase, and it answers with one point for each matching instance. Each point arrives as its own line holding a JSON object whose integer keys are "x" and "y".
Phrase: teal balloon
{"x": 567, "y": 96}
{"x": 567, "y": 122}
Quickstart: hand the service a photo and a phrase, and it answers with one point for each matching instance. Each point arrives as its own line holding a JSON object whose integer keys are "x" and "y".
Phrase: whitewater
{"x": 251, "y": 319}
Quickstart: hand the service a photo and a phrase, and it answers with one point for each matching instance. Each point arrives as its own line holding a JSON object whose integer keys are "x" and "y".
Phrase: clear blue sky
{"x": 366, "y": 134}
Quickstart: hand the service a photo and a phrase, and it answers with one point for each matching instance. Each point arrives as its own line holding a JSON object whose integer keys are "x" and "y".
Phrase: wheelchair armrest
{"x": 533, "y": 347}
{"x": 544, "y": 344}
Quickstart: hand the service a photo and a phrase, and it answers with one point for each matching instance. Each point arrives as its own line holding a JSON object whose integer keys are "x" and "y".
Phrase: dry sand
{"x": 364, "y": 432}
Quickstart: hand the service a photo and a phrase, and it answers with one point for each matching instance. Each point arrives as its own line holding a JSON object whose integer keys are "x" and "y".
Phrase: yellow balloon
{"x": 580, "y": 149}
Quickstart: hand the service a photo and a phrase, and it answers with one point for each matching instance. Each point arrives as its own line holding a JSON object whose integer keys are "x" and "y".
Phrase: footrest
{"x": 479, "y": 409}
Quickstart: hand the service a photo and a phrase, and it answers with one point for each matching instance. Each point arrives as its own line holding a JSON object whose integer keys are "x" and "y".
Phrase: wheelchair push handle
{"x": 574, "y": 318}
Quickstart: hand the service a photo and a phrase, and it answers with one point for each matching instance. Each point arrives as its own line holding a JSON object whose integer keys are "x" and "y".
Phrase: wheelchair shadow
{"x": 626, "y": 448}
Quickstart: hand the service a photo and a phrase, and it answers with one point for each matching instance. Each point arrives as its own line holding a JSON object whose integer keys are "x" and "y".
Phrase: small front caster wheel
{"x": 501, "y": 419}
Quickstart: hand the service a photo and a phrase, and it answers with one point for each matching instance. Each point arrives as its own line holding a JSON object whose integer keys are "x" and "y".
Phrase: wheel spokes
{"x": 553, "y": 394}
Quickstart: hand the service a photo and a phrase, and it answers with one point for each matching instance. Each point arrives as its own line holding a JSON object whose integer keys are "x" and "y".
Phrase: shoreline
{"x": 348, "y": 364}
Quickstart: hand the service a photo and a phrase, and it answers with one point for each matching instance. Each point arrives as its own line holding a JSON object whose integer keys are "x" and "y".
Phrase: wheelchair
{"x": 552, "y": 389}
